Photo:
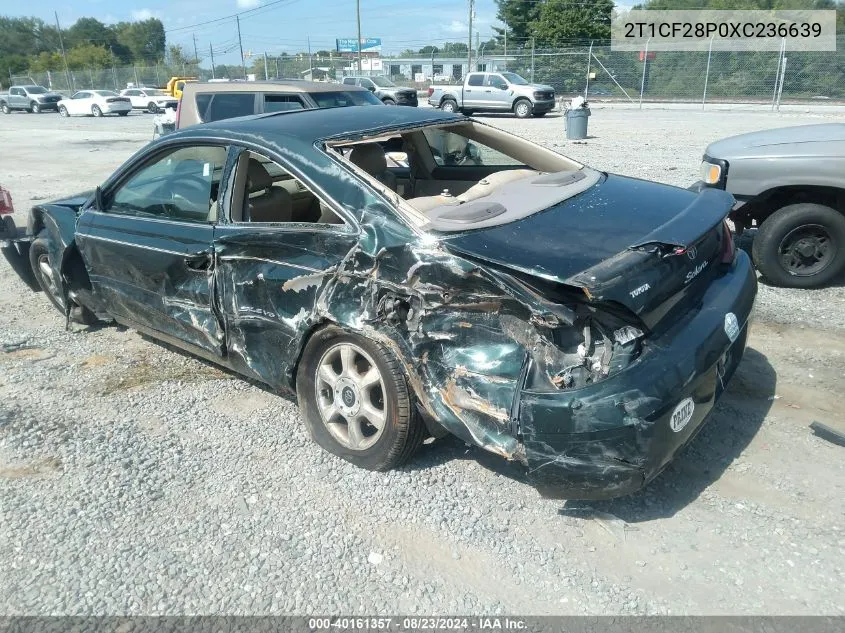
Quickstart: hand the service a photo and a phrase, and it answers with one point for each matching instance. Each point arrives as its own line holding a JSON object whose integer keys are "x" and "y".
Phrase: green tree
{"x": 144, "y": 41}
{"x": 519, "y": 16}
{"x": 88, "y": 56}
{"x": 563, "y": 21}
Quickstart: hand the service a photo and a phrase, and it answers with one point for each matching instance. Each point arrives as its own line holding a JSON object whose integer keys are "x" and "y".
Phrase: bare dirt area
{"x": 136, "y": 479}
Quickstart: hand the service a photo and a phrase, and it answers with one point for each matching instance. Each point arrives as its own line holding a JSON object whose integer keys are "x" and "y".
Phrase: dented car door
{"x": 148, "y": 247}
{"x": 272, "y": 266}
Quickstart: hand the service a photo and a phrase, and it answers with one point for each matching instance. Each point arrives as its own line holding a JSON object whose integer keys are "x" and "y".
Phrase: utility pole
{"x": 532, "y": 60}
{"x": 196, "y": 57}
{"x": 310, "y": 61}
{"x": 62, "y": 44}
{"x": 211, "y": 52}
{"x": 241, "y": 46}
{"x": 266, "y": 72}
{"x": 358, "y": 16}
{"x": 506, "y": 48}
{"x": 469, "y": 44}
{"x": 113, "y": 69}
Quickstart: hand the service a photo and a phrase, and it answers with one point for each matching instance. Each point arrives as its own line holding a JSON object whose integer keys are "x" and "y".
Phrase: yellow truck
{"x": 176, "y": 84}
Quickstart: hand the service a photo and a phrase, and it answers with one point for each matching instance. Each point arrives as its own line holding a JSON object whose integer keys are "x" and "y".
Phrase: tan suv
{"x": 211, "y": 101}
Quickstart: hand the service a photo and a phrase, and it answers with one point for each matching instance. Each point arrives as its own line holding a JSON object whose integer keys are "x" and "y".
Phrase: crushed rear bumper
{"x": 610, "y": 439}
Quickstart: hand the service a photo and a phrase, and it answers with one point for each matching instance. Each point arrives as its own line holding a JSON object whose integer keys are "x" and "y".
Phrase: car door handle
{"x": 488, "y": 91}
{"x": 200, "y": 261}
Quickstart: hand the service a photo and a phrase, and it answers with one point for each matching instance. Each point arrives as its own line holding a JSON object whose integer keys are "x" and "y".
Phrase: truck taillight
{"x": 430, "y": 90}
{"x": 728, "y": 246}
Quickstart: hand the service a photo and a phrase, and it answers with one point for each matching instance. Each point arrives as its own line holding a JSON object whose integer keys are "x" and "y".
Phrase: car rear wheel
{"x": 35, "y": 108}
{"x": 522, "y": 108}
{"x": 95, "y": 110}
{"x": 448, "y": 105}
{"x": 42, "y": 269}
{"x": 63, "y": 111}
{"x": 152, "y": 108}
{"x": 388, "y": 102}
{"x": 355, "y": 400}
{"x": 6, "y": 109}
{"x": 801, "y": 246}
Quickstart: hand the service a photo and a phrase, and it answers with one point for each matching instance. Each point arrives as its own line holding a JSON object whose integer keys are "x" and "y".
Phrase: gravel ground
{"x": 135, "y": 479}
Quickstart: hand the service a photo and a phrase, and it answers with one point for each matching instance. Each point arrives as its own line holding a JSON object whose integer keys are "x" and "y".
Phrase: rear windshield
{"x": 106, "y": 93}
{"x": 345, "y": 98}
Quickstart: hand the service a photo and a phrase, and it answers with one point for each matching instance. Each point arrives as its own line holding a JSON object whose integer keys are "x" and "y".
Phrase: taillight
{"x": 728, "y": 246}
{"x": 430, "y": 90}
{"x": 178, "y": 112}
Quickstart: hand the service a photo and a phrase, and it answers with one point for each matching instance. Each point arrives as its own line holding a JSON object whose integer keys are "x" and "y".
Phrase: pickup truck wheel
{"x": 95, "y": 110}
{"x": 152, "y": 108}
{"x": 448, "y": 105}
{"x": 388, "y": 102}
{"x": 6, "y": 109}
{"x": 42, "y": 270}
{"x": 35, "y": 108}
{"x": 63, "y": 111}
{"x": 355, "y": 400}
{"x": 801, "y": 246}
{"x": 522, "y": 108}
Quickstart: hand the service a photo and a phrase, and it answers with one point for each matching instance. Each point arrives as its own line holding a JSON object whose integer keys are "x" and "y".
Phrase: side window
{"x": 182, "y": 185}
{"x": 349, "y": 81}
{"x": 80, "y": 95}
{"x": 476, "y": 79}
{"x": 226, "y": 105}
{"x": 496, "y": 81}
{"x": 282, "y": 103}
{"x": 367, "y": 83}
{"x": 452, "y": 149}
{"x": 265, "y": 192}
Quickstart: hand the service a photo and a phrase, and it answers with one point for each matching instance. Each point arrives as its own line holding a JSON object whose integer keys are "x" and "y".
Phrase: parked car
{"x": 33, "y": 99}
{"x": 789, "y": 184}
{"x": 386, "y": 90}
{"x": 494, "y": 92}
{"x": 207, "y": 101}
{"x": 152, "y": 100}
{"x": 492, "y": 288}
{"x": 96, "y": 103}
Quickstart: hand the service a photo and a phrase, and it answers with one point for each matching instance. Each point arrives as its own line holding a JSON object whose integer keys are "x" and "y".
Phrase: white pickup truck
{"x": 494, "y": 92}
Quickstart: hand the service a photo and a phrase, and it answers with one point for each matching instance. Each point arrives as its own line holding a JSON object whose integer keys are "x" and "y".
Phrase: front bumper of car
{"x": 611, "y": 438}
{"x": 545, "y": 105}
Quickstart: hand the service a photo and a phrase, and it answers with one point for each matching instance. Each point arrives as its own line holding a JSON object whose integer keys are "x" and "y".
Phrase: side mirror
{"x": 503, "y": 86}
{"x": 371, "y": 88}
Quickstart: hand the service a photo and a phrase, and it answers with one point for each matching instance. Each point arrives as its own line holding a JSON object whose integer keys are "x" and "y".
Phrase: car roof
{"x": 318, "y": 124}
{"x": 291, "y": 85}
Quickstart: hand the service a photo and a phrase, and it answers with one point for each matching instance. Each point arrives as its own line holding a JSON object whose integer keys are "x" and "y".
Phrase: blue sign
{"x": 350, "y": 45}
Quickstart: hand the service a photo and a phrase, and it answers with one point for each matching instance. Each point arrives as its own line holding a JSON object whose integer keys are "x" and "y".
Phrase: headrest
{"x": 257, "y": 177}
{"x": 369, "y": 157}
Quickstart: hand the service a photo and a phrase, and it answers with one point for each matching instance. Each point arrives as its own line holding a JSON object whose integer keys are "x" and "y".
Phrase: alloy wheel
{"x": 350, "y": 396}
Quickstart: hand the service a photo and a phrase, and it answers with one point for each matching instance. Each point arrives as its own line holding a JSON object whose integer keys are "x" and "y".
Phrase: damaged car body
{"x": 408, "y": 272}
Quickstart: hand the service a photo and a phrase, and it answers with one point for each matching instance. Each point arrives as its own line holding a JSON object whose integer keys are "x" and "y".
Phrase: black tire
{"x": 403, "y": 430}
{"x": 95, "y": 110}
{"x": 6, "y": 109}
{"x": 152, "y": 108}
{"x": 63, "y": 111}
{"x": 389, "y": 102}
{"x": 801, "y": 246}
{"x": 522, "y": 108}
{"x": 39, "y": 252}
{"x": 35, "y": 108}
{"x": 449, "y": 105}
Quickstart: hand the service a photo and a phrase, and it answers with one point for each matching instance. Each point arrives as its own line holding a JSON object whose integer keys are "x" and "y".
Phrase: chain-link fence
{"x": 717, "y": 76}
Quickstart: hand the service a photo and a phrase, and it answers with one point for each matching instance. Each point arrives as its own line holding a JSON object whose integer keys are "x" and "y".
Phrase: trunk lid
{"x": 646, "y": 246}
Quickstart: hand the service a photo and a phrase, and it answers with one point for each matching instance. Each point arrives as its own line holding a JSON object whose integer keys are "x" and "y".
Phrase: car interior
{"x": 460, "y": 176}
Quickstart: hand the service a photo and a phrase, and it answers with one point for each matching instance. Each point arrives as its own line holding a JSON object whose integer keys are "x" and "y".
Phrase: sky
{"x": 277, "y": 26}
